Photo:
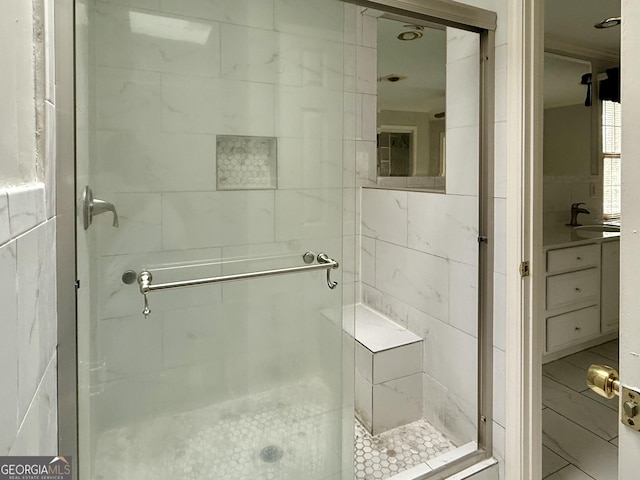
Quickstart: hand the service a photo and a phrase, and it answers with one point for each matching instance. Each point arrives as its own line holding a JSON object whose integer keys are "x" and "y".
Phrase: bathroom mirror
{"x": 570, "y": 136}
{"x": 412, "y": 101}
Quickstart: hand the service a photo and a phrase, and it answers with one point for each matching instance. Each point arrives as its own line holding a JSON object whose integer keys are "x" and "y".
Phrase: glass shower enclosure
{"x": 211, "y": 337}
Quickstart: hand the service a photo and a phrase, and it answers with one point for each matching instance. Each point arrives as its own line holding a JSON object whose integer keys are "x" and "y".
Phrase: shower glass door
{"x": 213, "y": 131}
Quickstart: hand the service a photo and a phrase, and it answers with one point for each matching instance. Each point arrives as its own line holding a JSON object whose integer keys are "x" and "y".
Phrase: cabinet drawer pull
{"x": 578, "y": 289}
{"x": 578, "y": 258}
{"x": 578, "y": 329}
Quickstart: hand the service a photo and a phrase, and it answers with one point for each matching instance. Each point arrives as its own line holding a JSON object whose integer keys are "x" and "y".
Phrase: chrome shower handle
{"x": 94, "y": 206}
{"x": 323, "y": 258}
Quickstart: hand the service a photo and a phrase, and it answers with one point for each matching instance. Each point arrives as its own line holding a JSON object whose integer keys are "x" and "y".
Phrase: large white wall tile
{"x": 367, "y": 70}
{"x": 308, "y": 112}
{"x": 219, "y": 106}
{"x": 128, "y": 99}
{"x": 8, "y": 348}
{"x": 154, "y": 162}
{"x": 499, "y": 387}
{"x": 368, "y": 261}
{"x": 444, "y": 225}
{"x": 463, "y": 92}
{"x": 38, "y": 434}
{"x": 384, "y": 215}
{"x": 211, "y": 219}
{"x": 140, "y": 226}
{"x": 5, "y": 231}
{"x": 452, "y": 415}
{"x": 309, "y": 162}
{"x": 272, "y": 57}
{"x": 308, "y": 214}
{"x": 463, "y": 295}
{"x": 461, "y": 44}
{"x": 450, "y": 357}
{"x": 26, "y": 208}
{"x": 50, "y": 157}
{"x": 366, "y": 163}
{"x": 36, "y": 315}
{"x": 240, "y": 12}
{"x": 155, "y": 41}
{"x": 314, "y": 18}
{"x": 416, "y": 278}
{"x": 500, "y": 152}
{"x": 463, "y": 160}
{"x": 120, "y": 341}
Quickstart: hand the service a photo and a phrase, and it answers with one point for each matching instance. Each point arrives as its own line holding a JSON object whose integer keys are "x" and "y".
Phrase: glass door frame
{"x": 66, "y": 280}
{"x": 444, "y": 12}
{"x": 483, "y": 22}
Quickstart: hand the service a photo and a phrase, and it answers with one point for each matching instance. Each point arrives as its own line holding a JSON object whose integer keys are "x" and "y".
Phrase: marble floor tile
{"x": 580, "y": 409}
{"x": 551, "y": 462}
{"x": 567, "y": 374}
{"x": 610, "y": 403}
{"x": 586, "y": 358}
{"x": 590, "y": 453}
{"x": 608, "y": 350}
{"x": 570, "y": 472}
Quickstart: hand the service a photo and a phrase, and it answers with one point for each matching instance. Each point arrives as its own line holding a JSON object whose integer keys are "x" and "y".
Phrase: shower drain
{"x": 271, "y": 454}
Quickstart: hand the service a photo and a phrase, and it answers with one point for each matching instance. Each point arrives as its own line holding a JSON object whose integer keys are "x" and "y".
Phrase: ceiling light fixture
{"x": 413, "y": 34}
{"x": 609, "y": 22}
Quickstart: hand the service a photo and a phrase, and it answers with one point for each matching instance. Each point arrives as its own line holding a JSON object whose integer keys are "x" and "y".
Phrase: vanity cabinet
{"x": 581, "y": 295}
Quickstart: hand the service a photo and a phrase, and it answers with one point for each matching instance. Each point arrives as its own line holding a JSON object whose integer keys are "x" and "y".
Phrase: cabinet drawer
{"x": 572, "y": 327}
{"x": 573, "y": 288}
{"x": 573, "y": 258}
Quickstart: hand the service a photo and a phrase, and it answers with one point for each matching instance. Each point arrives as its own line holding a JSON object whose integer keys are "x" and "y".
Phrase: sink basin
{"x": 598, "y": 228}
{"x": 596, "y": 231}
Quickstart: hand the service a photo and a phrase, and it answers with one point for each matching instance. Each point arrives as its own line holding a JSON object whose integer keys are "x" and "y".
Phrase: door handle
{"x": 94, "y": 206}
{"x": 605, "y": 381}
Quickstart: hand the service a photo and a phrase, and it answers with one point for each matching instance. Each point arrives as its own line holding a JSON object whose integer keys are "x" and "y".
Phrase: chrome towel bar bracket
{"x": 145, "y": 278}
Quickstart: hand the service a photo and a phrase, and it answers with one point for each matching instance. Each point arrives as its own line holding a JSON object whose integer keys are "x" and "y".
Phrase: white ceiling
{"x": 422, "y": 61}
{"x": 572, "y": 21}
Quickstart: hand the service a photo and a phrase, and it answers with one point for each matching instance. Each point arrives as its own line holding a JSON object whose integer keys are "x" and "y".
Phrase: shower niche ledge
{"x": 388, "y": 389}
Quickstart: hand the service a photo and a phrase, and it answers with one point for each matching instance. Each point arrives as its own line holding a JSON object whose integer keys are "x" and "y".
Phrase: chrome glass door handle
{"x": 94, "y": 206}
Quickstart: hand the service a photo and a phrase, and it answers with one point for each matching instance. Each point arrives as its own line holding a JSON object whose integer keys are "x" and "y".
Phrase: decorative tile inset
{"x": 246, "y": 163}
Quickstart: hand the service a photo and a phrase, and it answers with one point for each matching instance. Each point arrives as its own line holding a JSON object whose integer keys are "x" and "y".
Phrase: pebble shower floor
{"x": 284, "y": 434}
{"x": 397, "y": 450}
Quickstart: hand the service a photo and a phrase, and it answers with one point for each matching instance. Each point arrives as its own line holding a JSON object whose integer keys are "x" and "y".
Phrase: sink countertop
{"x": 564, "y": 236}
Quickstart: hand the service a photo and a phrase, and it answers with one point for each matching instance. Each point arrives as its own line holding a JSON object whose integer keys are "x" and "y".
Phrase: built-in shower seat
{"x": 388, "y": 387}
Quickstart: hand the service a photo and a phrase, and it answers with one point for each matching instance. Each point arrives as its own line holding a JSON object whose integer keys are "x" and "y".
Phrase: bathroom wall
{"x": 409, "y": 268}
{"x": 264, "y": 69}
{"x": 28, "y": 408}
{"x": 567, "y": 165}
{"x": 419, "y": 256}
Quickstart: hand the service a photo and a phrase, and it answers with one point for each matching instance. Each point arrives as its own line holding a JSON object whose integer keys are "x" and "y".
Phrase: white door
{"x": 629, "y": 451}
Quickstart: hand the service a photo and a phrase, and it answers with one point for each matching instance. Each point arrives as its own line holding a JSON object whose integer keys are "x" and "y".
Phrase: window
{"x": 611, "y": 133}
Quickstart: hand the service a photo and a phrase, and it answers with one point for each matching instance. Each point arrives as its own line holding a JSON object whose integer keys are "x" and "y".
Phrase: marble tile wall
{"x": 171, "y": 78}
{"x": 409, "y": 238}
{"x": 28, "y": 418}
{"x": 28, "y": 398}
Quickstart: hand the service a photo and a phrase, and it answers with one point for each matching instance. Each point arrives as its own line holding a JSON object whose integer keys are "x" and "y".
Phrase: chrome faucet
{"x": 575, "y": 210}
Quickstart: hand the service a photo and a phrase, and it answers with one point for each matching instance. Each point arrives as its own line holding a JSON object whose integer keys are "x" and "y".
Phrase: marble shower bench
{"x": 388, "y": 385}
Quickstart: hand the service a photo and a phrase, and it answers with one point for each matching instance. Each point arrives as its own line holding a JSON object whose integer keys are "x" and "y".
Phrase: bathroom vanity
{"x": 581, "y": 294}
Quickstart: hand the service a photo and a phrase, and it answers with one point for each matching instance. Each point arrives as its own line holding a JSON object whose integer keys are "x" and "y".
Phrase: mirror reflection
{"x": 411, "y": 99}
